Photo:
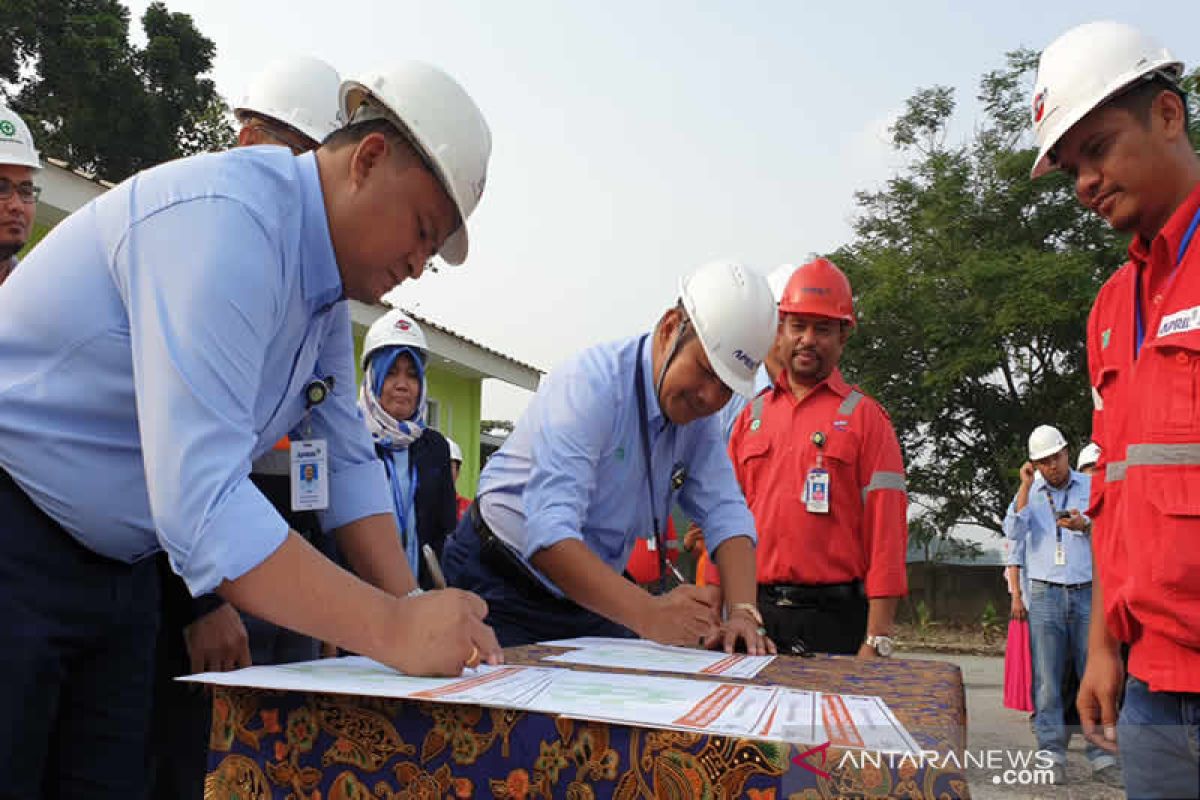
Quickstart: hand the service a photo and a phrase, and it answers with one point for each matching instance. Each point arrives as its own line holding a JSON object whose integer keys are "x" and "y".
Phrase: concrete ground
{"x": 991, "y": 726}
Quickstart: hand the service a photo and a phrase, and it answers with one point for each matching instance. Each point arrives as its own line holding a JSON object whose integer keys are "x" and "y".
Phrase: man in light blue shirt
{"x": 1049, "y": 535}
{"x": 162, "y": 338}
{"x": 611, "y": 438}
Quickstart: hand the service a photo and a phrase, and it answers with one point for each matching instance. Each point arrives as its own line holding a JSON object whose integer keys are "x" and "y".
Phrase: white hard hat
{"x": 393, "y": 329}
{"x": 1046, "y": 440}
{"x": 1081, "y": 69}
{"x": 779, "y": 278}
{"x": 735, "y": 317}
{"x": 455, "y": 450}
{"x": 444, "y": 124}
{"x": 1088, "y": 455}
{"x": 16, "y": 142}
{"x": 301, "y": 92}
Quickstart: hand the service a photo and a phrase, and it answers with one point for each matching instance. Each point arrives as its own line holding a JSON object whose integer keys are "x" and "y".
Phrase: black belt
{"x": 792, "y": 594}
{"x": 504, "y": 561}
{"x": 1084, "y": 585}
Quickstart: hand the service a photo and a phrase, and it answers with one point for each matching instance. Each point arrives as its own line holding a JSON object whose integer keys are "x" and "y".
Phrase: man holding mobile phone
{"x": 1050, "y": 538}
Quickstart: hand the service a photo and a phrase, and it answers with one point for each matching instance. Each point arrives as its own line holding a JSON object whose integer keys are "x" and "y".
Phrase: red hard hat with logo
{"x": 821, "y": 289}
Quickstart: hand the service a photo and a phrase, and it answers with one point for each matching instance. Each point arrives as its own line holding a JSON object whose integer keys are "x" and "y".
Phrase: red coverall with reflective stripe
{"x": 1146, "y": 493}
{"x": 865, "y": 534}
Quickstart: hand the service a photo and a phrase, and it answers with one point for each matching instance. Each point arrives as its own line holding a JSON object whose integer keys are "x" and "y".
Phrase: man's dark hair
{"x": 355, "y": 132}
{"x": 1138, "y": 98}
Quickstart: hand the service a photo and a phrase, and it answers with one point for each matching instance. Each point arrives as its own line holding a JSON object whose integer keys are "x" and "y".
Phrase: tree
{"x": 974, "y": 284}
{"x": 99, "y": 103}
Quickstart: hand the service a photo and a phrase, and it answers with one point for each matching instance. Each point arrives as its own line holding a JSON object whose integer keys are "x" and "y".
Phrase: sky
{"x": 635, "y": 141}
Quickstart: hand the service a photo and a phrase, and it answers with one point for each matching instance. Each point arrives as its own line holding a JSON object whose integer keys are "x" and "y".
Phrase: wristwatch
{"x": 884, "y": 645}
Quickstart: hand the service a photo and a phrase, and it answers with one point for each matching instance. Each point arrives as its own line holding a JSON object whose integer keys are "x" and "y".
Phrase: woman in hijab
{"x": 417, "y": 458}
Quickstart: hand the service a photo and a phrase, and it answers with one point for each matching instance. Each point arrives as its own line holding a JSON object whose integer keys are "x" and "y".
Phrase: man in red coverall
{"x": 1109, "y": 112}
{"x": 821, "y": 469}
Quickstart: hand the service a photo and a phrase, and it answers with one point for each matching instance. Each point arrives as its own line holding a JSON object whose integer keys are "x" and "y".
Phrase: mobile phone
{"x": 1062, "y": 514}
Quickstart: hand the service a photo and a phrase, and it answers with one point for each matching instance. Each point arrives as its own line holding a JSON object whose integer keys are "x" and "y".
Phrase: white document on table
{"x": 651, "y": 701}
{"x": 643, "y": 655}
{"x": 733, "y": 709}
{"x": 486, "y": 685}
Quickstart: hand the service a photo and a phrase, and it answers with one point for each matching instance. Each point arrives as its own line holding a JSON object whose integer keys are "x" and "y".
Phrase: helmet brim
{"x": 1046, "y": 452}
{"x": 1043, "y": 165}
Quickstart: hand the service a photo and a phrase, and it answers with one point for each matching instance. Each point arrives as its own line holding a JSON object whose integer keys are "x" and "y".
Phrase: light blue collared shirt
{"x": 733, "y": 409}
{"x": 159, "y": 340}
{"x": 1032, "y": 537}
{"x": 573, "y": 467}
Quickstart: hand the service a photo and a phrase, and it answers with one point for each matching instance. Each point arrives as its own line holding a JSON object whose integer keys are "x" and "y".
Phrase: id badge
{"x": 309, "y": 475}
{"x": 816, "y": 491}
{"x": 652, "y": 543}
{"x": 1060, "y": 555}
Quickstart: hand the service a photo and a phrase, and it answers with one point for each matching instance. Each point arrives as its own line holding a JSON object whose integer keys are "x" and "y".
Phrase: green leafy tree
{"x": 974, "y": 284}
{"x": 101, "y": 104}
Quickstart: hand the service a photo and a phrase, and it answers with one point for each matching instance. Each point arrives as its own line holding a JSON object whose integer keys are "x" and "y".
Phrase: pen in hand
{"x": 435, "y": 569}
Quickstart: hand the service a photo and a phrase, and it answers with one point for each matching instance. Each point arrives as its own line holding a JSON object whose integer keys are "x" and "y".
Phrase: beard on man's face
{"x": 10, "y": 249}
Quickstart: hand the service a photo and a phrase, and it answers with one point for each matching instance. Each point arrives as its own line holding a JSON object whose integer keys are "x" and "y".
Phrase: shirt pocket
{"x": 840, "y": 458}
{"x": 1171, "y": 377}
{"x": 754, "y": 460}
{"x": 1174, "y": 493}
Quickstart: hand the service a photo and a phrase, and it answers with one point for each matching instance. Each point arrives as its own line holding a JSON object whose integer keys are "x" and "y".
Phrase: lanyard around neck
{"x": 644, "y": 425}
{"x": 1140, "y": 328}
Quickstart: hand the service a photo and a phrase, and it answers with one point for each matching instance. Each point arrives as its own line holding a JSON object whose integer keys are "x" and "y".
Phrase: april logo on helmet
{"x": 403, "y": 325}
{"x": 1039, "y": 105}
{"x": 750, "y": 363}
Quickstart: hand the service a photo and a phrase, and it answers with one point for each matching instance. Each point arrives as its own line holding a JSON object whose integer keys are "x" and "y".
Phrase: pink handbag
{"x": 1018, "y": 667}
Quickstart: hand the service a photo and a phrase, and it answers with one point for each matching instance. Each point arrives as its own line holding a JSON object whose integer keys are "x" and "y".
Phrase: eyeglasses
{"x": 297, "y": 143}
{"x": 26, "y": 191}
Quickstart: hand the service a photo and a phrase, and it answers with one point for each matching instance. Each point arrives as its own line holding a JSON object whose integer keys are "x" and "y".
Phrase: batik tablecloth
{"x": 271, "y": 744}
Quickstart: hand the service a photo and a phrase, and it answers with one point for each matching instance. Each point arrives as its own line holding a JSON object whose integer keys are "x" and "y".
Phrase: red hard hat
{"x": 821, "y": 289}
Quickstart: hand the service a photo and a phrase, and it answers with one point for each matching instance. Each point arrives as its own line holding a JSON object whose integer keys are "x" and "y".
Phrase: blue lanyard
{"x": 1137, "y": 285}
{"x": 404, "y": 505}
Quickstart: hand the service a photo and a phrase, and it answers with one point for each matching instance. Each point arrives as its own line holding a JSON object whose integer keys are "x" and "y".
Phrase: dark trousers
{"x": 183, "y": 711}
{"x": 76, "y": 661}
{"x": 519, "y": 613}
{"x": 815, "y": 619}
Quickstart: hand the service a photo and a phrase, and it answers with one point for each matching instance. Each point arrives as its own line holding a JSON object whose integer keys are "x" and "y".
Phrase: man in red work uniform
{"x": 1108, "y": 111}
{"x": 821, "y": 469}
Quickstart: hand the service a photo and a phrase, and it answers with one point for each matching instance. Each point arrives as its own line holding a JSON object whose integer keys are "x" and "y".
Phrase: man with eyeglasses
{"x": 18, "y": 195}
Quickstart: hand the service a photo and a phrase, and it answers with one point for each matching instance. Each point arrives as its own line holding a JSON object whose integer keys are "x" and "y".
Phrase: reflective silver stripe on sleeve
{"x": 756, "y": 409}
{"x": 1175, "y": 455}
{"x": 1114, "y": 472}
{"x": 885, "y": 480}
{"x": 848, "y": 405}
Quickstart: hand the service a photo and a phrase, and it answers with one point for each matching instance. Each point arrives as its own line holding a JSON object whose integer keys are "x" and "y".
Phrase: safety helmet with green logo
{"x": 16, "y": 142}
